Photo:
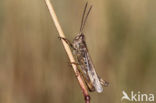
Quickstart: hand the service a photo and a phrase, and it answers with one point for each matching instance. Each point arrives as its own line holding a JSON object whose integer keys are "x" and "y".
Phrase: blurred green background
{"x": 121, "y": 37}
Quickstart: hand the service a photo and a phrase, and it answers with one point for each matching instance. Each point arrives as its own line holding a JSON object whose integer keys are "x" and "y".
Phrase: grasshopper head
{"x": 79, "y": 37}
{"x": 79, "y": 40}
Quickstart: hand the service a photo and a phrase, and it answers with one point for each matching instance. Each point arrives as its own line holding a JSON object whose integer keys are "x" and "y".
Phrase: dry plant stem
{"x": 68, "y": 51}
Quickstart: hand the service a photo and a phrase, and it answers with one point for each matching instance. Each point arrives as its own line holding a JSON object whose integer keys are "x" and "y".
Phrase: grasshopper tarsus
{"x": 104, "y": 83}
{"x": 70, "y": 63}
{"x": 66, "y": 40}
{"x": 77, "y": 74}
{"x": 75, "y": 63}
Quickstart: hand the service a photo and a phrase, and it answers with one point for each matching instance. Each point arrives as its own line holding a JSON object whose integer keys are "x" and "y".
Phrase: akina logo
{"x": 138, "y": 96}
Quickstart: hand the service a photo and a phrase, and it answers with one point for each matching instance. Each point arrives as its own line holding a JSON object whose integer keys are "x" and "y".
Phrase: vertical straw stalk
{"x": 68, "y": 51}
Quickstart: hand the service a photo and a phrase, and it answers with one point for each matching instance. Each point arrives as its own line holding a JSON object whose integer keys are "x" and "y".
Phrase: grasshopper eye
{"x": 77, "y": 38}
{"x": 81, "y": 36}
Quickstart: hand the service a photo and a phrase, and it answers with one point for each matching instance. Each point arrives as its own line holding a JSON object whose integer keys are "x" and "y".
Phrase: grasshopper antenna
{"x": 83, "y": 17}
{"x": 84, "y": 20}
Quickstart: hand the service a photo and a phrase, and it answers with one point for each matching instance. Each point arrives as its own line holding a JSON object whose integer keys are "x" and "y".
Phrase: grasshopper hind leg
{"x": 103, "y": 82}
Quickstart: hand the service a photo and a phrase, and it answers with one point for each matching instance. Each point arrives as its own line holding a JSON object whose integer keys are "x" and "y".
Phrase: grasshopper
{"x": 80, "y": 50}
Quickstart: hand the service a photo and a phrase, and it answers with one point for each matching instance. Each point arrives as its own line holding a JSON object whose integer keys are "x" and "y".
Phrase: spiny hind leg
{"x": 103, "y": 82}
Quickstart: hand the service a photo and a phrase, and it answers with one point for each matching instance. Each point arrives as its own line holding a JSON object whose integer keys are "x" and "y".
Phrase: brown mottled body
{"x": 81, "y": 53}
{"x": 86, "y": 65}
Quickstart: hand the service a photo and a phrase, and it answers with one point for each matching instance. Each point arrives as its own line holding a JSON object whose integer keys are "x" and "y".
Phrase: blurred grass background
{"x": 121, "y": 37}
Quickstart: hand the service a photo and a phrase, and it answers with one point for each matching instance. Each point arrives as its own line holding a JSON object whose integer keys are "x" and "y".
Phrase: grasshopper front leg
{"x": 68, "y": 42}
